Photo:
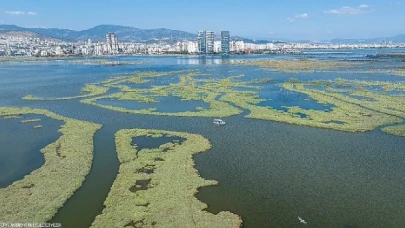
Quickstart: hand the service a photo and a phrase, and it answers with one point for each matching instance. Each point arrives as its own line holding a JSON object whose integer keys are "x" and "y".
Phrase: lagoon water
{"x": 269, "y": 173}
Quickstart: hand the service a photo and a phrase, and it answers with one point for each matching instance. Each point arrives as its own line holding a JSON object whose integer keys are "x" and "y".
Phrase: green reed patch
{"x": 31, "y": 121}
{"x": 376, "y": 110}
{"x": 90, "y": 90}
{"x": 156, "y": 188}
{"x": 12, "y": 117}
{"x": 349, "y": 112}
{"x": 297, "y": 66}
{"x": 395, "y": 130}
{"x": 37, "y": 197}
{"x": 188, "y": 88}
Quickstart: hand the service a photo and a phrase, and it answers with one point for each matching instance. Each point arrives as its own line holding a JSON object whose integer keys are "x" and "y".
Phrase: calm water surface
{"x": 21, "y": 144}
{"x": 269, "y": 173}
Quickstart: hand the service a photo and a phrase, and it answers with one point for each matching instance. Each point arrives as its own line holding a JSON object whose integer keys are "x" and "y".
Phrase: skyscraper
{"x": 206, "y": 42}
{"x": 112, "y": 43}
{"x": 210, "y": 42}
{"x": 8, "y": 49}
{"x": 202, "y": 42}
{"x": 225, "y": 40}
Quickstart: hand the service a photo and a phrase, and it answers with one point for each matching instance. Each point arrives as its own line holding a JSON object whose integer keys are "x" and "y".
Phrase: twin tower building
{"x": 206, "y": 41}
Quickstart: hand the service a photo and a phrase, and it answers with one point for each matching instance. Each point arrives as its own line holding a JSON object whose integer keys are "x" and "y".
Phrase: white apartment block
{"x": 217, "y": 46}
{"x": 237, "y": 46}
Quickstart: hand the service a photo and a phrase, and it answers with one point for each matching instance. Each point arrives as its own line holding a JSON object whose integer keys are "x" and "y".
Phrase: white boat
{"x": 219, "y": 122}
{"x": 302, "y": 220}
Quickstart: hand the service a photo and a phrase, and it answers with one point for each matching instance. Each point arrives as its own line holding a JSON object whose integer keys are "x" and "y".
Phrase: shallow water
{"x": 279, "y": 98}
{"x": 146, "y": 142}
{"x": 21, "y": 144}
{"x": 269, "y": 173}
{"x": 163, "y": 104}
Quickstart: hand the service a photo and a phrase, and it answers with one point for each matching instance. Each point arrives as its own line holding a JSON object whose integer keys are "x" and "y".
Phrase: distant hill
{"x": 124, "y": 33}
{"x": 127, "y": 33}
{"x": 19, "y": 34}
{"x": 393, "y": 39}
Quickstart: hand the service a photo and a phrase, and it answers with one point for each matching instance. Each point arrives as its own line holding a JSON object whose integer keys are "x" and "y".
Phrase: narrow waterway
{"x": 80, "y": 210}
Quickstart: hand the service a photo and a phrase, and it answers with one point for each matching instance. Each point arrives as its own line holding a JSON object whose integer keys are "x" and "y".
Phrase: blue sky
{"x": 292, "y": 19}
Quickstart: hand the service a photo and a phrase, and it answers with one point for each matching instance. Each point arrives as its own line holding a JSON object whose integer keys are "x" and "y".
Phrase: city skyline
{"x": 310, "y": 20}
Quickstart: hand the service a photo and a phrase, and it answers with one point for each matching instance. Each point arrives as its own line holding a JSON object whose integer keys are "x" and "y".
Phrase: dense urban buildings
{"x": 205, "y": 43}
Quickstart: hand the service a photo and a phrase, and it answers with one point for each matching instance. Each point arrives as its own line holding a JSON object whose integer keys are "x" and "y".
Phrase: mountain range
{"x": 131, "y": 34}
{"x": 393, "y": 39}
{"x": 124, "y": 33}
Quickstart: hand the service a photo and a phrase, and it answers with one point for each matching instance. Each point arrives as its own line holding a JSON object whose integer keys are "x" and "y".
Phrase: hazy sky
{"x": 292, "y": 19}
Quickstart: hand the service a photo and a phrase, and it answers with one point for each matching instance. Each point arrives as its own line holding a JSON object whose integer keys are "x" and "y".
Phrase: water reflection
{"x": 203, "y": 60}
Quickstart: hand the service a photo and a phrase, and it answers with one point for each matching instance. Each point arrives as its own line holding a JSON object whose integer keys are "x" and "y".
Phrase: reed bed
{"x": 297, "y": 66}
{"x": 31, "y": 121}
{"x": 185, "y": 89}
{"x": 358, "y": 115}
{"x": 228, "y": 96}
{"x": 90, "y": 90}
{"x": 157, "y": 187}
{"x": 37, "y": 197}
{"x": 12, "y": 117}
{"x": 398, "y": 130}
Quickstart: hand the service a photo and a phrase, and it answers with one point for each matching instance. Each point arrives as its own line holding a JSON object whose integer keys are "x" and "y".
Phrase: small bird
{"x": 302, "y": 220}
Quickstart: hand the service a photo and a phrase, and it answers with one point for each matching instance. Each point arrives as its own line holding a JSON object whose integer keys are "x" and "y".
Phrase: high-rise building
{"x": 225, "y": 40}
{"x": 8, "y": 49}
{"x": 210, "y": 42}
{"x": 202, "y": 42}
{"x": 206, "y": 42}
{"x": 112, "y": 43}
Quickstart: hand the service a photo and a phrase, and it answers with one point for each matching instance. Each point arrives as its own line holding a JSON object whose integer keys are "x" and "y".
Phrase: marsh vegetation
{"x": 89, "y": 90}
{"x": 350, "y": 112}
{"x": 297, "y": 65}
{"x": 354, "y": 106}
{"x": 327, "y": 66}
{"x": 188, "y": 88}
{"x": 31, "y": 121}
{"x": 157, "y": 186}
{"x": 398, "y": 130}
{"x": 38, "y": 196}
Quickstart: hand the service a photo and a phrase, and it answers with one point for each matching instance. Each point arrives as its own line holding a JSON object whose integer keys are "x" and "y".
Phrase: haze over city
{"x": 291, "y": 19}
